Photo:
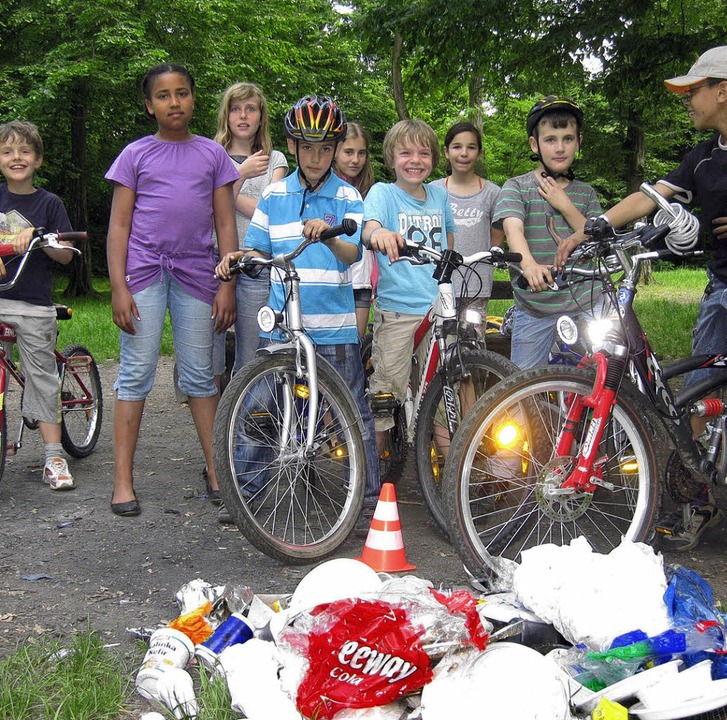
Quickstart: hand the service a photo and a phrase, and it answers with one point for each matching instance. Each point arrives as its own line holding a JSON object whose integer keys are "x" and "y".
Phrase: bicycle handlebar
{"x": 496, "y": 255}
{"x": 348, "y": 227}
{"x": 43, "y": 239}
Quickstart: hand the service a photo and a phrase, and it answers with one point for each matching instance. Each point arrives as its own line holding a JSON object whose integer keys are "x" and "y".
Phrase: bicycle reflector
{"x": 507, "y": 434}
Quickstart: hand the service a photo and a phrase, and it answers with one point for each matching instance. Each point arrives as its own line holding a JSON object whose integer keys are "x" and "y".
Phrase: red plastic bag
{"x": 362, "y": 654}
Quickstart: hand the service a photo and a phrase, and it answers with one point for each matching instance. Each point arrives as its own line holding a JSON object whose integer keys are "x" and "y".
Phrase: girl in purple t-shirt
{"x": 169, "y": 190}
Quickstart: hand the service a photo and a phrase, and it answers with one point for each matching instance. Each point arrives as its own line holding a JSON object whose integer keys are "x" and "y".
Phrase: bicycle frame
{"x": 442, "y": 317}
{"x": 9, "y": 368}
{"x": 629, "y": 346}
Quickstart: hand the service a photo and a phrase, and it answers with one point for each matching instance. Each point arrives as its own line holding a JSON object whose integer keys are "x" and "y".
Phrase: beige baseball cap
{"x": 712, "y": 64}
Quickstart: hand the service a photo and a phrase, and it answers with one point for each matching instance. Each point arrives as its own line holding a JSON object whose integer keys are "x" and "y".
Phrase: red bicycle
{"x": 81, "y": 396}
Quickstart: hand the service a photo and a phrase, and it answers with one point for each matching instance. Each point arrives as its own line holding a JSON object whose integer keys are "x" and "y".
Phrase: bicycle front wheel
{"x": 297, "y": 504}
{"x": 502, "y": 484}
{"x": 471, "y": 375}
{"x": 3, "y": 439}
{"x": 81, "y": 401}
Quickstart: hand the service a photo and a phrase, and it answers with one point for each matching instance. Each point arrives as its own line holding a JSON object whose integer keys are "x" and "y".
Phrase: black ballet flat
{"x": 212, "y": 495}
{"x": 130, "y": 508}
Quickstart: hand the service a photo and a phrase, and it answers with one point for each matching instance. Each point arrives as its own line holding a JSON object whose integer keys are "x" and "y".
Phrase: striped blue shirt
{"x": 326, "y": 293}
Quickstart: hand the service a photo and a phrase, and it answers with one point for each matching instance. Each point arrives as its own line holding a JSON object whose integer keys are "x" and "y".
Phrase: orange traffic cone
{"x": 384, "y": 547}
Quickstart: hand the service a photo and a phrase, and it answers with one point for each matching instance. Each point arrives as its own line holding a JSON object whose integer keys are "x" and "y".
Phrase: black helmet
{"x": 315, "y": 118}
{"x": 552, "y": 103}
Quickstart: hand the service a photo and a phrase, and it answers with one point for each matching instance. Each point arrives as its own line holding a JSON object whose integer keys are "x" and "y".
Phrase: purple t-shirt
{"x": 171, "y": 228}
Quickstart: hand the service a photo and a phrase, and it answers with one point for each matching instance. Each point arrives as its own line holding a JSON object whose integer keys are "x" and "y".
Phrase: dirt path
{"x": 66, "y": 562}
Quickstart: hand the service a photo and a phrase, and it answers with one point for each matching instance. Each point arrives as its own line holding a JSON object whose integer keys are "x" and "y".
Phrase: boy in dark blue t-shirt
{"x": 28, "y": 307}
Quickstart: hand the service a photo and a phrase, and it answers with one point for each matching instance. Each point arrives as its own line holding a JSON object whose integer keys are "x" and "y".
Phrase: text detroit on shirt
{"x": 422, "y": 229}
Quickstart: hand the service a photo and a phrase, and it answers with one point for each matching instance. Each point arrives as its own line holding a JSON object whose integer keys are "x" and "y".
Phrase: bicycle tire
{"x": 81, "y": 418}
{"x": 295, "y": 509}
{"x": 392, "y": 457}
{"x": 497, "y": 500}
{"x": 3, "y": 441}
{"x": 486, "y": 368}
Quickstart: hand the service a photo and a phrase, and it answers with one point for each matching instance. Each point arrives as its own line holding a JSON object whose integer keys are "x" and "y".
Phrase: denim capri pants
{"x": 192, "y": 330}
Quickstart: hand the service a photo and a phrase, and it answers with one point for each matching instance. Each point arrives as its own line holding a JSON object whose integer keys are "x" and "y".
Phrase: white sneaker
{"x": 57, "y": 475}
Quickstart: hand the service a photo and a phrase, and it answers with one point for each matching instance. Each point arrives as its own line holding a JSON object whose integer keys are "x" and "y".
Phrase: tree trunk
{"x": 635, "y": 147}
{"x": 475, "y": 104}
{"x": 79, "y": 282}
{"x": 396, "y": 80}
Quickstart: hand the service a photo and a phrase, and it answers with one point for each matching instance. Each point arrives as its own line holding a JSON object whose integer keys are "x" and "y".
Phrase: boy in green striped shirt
{"x": 528, "y": 208}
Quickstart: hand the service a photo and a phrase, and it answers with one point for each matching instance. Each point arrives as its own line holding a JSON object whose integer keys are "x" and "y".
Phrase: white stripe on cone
{"x": 386, "y": 511}
{"x": 385, "y": 540}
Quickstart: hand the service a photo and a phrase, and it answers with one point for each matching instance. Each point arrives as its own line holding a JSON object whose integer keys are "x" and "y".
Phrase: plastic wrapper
{"x": 688, "y": 597}
{"x": 449, "y": 618}
{"x": 225, "y": 599}
{"x": 361, "y": 654}
{"x": 194, "y": 624}
{"x": 252, "y": 671}
{"x": 590, "y": 597}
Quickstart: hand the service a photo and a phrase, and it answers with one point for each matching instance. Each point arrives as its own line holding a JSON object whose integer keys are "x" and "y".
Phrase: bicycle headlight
{"x": 567, "y": 330}
{"x": 598, "y": 330}
{"x": 267, "y": 318}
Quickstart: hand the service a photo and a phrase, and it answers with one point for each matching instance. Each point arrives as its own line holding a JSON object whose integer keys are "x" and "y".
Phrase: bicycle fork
{"x": 587, "y": 474}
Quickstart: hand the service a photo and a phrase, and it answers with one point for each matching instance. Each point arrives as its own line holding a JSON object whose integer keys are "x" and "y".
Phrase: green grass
{"x": 667, "y": 308}
{"x": 81, "y": 680}
{"x": 86, "y": 683}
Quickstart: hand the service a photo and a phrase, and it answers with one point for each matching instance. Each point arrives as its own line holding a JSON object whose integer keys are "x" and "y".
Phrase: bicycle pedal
{"x": 669, "y": 527}
{"x": 383, "y": 404}
{"x": 79, "y": 362}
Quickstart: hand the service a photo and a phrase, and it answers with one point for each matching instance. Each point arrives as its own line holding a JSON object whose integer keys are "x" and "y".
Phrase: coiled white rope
{"x": 684, "y": 226}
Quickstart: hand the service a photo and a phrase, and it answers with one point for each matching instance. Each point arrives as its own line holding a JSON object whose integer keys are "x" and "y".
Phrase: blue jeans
{"x": 253, "y": 456}
{"x": 709, "y": 336}
{"x": 250, "y": 294}
{"x": 192, "y": 330}
{"x": 533, "y": 337}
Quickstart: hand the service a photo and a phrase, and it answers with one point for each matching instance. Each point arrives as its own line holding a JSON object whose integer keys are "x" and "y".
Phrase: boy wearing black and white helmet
{"x": 535, "y": 210}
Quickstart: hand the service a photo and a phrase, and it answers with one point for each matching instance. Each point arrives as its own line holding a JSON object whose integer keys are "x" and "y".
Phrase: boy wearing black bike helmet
{"x": 701, "y": 178}
{"x": 304, "y": 204}
{"x": 535, "y": 210}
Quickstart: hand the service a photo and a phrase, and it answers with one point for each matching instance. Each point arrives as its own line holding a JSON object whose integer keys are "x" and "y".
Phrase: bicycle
{"x": 81, "y": 396}
{"x": 454, "y": 373}
{"x": 557, "y": 452}
{"x": 288, "y": 447}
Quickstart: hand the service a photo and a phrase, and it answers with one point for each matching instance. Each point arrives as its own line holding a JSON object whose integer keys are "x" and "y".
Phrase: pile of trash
{"x": 577, "y": 635}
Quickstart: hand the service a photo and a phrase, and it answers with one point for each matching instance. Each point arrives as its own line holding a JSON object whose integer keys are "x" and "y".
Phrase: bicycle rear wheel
{"x": 502, "y": 493}
{"x": 482, "y": 370}
{"x": 81, "y": 401}
{"x": 295, "y": 505}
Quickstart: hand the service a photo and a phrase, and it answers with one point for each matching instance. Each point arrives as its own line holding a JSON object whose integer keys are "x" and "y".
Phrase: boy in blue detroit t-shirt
{"x": 306, "y": 203}
{"x": 407, "y": 209}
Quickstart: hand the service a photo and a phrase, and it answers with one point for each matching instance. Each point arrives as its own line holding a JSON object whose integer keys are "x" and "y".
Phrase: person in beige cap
{"x": 701, "y": 178}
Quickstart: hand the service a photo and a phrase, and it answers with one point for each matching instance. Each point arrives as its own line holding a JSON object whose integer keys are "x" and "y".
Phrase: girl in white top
{"x": 243, "y": 130}
{"x": 352, "y": 164}
{"x": 472, "y": 199}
